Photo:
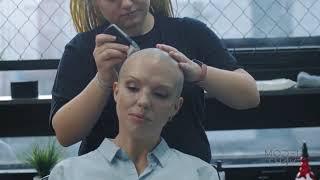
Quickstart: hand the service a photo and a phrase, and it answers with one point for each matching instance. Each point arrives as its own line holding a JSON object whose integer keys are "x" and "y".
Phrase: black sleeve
{"x": 209, "y": 47}
{"x": 75, "y": 71}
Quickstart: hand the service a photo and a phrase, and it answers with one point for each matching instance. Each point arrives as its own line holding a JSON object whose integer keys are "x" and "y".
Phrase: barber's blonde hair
{"x": 86, "y": 17}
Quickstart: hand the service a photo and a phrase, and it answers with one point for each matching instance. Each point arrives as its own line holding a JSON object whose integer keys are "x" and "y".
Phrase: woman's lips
{"x": 139, "y": 118}
{"x": 129, "y": 13}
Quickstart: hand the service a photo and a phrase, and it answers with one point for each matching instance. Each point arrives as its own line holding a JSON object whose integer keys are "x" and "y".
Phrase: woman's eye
{"x": 161, "y": 95}
{"x": 133, "y": 88}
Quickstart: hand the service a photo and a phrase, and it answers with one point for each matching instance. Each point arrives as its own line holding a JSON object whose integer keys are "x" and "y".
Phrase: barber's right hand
{"x": 108, "y": 55}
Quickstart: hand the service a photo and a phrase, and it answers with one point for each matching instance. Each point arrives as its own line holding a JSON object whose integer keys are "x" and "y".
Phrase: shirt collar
{"x": 110, "y": 150}
{"x": 160, "y": 152}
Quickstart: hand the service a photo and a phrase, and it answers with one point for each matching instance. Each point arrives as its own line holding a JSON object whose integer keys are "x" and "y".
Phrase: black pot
{"x": 28, "y": 89}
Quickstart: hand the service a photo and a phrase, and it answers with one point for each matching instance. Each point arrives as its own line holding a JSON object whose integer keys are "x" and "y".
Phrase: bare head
{"x": 155, "y": 59}
{"x": 148, "y": 92}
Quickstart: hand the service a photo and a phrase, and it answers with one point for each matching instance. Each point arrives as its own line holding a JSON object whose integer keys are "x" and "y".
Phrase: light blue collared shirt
{"x": 111, "y": 162}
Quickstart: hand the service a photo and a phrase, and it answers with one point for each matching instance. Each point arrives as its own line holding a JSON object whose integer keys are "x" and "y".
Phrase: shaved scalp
{"x": 157, "y": 57}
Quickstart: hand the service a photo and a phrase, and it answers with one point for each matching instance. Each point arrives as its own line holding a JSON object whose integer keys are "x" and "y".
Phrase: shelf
{"x": 291, "y": 91}
{"x": 45, "y": 99}
{"x": 42, "y": 99}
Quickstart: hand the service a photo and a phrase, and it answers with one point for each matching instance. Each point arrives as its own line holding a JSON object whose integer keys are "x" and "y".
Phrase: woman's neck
{"x": 142, "y": 28}
{"x": 137, "y": 149}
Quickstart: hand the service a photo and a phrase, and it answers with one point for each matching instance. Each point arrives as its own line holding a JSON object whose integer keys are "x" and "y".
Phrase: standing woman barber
{"x": 82, "y": 105}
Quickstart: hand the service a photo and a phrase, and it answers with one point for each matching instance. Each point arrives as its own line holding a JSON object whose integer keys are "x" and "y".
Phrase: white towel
{"x": 305, "y": 80}
{"x": 275, "y": 84}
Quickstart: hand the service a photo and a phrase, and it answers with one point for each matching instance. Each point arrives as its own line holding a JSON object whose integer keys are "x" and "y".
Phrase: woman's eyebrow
{"x": 130, "y": 77}
{"x": 165, "y": 87}
{"x": 157, "y": 86}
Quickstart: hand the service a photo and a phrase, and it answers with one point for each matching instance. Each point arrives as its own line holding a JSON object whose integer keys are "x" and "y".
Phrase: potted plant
{"x": 43, "y": 158}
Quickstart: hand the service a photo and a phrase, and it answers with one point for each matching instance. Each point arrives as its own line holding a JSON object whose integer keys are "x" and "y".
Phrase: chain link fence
{"x": 39, "y": 29}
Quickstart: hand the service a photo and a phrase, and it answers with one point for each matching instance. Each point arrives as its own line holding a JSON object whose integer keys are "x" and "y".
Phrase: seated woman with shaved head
{"x": 147, "y": 96}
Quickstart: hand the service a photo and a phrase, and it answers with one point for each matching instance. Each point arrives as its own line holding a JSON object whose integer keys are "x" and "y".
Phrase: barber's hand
{"x": 191, "y": 70}
{"x": 108, "y": 55}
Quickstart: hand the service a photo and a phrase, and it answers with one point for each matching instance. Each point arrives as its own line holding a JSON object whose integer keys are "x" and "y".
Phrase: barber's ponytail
{"x": 86, "y": 17}
{"x": 161, "y": 7}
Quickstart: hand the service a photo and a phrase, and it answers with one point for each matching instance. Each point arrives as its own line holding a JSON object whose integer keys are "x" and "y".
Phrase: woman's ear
{"x": 178, "y": 105}
{"x": 115, "y": 88}
{"x": 176, "y": 108}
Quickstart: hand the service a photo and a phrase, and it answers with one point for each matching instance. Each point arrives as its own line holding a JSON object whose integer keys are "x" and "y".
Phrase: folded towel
{"x": 275, "y": 84}
{"x": 305, "y": 80}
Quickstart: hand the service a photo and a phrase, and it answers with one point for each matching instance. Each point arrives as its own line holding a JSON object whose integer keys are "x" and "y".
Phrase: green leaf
{"x": 43, "y": 159}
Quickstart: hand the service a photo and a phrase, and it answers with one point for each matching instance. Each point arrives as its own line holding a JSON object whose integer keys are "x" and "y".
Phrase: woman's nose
{"x": 144, "y": 100}
{"x": 126, "y": 3}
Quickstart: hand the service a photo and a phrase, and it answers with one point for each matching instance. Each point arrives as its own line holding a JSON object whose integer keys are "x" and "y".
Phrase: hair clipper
{"x": 122, "y": 38}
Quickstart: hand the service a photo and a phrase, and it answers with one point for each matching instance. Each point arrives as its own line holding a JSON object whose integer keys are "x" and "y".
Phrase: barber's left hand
{"x": 191, "y": 70}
